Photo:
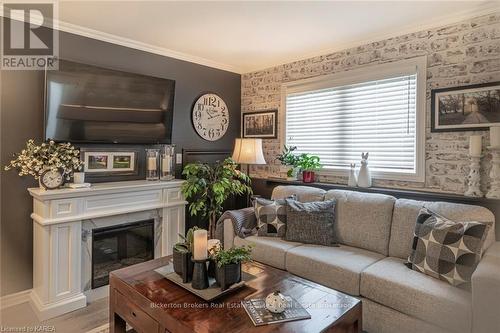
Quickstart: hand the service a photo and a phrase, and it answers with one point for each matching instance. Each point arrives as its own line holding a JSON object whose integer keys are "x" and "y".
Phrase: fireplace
{"x": 118, "y": 246}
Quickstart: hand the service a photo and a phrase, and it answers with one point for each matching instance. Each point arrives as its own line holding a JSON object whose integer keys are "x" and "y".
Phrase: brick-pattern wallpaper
{"x": 459, "y": 54}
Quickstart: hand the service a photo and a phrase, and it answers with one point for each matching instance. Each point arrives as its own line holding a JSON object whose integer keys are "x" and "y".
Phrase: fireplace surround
{"x": 64, "y": 224}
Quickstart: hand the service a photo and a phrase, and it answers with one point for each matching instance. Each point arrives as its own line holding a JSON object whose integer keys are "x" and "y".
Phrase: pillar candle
{"x": 475, "y": 145}
{"x": 165, "y": 165}
{"x": 200, "y": 244}
{"x": 152, "y": 163}
{"x": 495, "y": 136}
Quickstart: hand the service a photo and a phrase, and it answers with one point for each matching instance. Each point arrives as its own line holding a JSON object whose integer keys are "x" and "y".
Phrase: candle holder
{"x": 200, "y": 274}
{"x": 474, "y": 177}
{"x": 494, "y": 192}
{"x": 167, "y": 162}
{"x": 152, "y": 164}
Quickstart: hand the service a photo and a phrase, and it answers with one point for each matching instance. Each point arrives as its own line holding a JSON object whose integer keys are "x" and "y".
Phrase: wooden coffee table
{"x": 150, "y": 303}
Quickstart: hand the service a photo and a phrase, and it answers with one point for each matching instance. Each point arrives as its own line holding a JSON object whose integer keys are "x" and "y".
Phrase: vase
{"x": 183, "y": 265}
{"x": 79, "y": 177}
{"x": 308, "y": 176}
{"x": 227, "y": 275}
{"x": 292, "y": 173}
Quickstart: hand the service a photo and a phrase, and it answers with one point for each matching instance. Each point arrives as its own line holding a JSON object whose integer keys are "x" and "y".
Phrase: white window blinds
{"x": 339, "y": 123}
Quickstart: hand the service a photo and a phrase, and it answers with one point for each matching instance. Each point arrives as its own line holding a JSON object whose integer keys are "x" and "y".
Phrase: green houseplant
{"x": 288, "y": 158}
{"x": 229, "y": 265}
{"x": 182, "y": 253}
{"x": 207, "y": 187}
{"x": 309, "y": 164}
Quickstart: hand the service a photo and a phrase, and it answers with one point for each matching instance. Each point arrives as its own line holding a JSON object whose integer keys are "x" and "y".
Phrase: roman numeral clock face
{"x": 210, "y": 117}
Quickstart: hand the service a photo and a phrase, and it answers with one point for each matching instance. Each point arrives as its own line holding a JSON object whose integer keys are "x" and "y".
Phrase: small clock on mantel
{"x": 52, "y": 179}
{"x": 210, "y": 117}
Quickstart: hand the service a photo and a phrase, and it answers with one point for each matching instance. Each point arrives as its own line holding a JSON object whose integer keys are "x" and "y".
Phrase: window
{"x": 379, "y": 110}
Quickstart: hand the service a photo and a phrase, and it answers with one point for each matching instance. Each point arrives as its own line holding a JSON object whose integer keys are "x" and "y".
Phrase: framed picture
{"x": 120, "y": 162}
{"x": 474, "y": 107}
{"x": 261, "y": 124}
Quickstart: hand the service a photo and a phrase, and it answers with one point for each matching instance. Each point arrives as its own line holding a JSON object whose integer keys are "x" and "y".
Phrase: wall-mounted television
{"x": 89, "y": 104}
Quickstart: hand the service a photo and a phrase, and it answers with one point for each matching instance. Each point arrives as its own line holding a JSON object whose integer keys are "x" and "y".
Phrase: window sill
{"x": 405, "y": 177}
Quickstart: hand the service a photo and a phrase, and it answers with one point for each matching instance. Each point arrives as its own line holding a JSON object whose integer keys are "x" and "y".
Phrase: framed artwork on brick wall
{"x": 467, "y": 108}
{"x": 260, "y": 124}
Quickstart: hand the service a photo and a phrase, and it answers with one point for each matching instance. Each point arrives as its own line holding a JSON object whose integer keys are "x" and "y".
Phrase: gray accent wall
{"x": 22, "y": 118}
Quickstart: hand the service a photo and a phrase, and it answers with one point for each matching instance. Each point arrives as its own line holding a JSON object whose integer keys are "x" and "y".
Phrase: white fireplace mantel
{"x": 57, "y": 229}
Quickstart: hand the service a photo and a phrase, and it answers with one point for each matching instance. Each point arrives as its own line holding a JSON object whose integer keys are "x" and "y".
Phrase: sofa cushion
{"x": 303, "y": 193}
{"x": 403, "y": 226}
{"x": 310, "y": 222}
{"x": 267, "y": 250}
{"x": 271, "y": 217}
{"x": 363, "y": 219}
{"x": 335, "y": 267}
{"x": 406, "y": 212}
{"x": 445, "y": 249}
{"x": 389, "y": 282}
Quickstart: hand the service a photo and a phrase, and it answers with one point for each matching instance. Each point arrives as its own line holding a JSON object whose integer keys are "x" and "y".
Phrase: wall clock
{"x": 210, "y": 117}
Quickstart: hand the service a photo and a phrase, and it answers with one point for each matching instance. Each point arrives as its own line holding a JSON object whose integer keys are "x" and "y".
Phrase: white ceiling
{"x": 242, "y": 36}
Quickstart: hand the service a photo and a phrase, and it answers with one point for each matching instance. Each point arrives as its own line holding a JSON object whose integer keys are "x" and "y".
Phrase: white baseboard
{"x": 14, "y": 299}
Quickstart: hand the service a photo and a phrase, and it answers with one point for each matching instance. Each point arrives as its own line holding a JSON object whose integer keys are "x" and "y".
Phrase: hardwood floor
{"x": 79, "y": 321}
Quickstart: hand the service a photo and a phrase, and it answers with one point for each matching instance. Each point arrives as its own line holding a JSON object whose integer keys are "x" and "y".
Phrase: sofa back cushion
{"x": 302, "y": 193}
{"x": 406, "y": 212}
{"x": 363, "y": 219}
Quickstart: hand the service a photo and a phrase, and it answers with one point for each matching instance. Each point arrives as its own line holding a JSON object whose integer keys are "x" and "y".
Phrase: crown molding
{"x": 484, "y": 8}
{"x": 134, "y": 44}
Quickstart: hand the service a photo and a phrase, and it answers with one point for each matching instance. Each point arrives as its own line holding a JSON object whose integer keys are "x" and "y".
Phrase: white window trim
{"x": 416, "y": 65}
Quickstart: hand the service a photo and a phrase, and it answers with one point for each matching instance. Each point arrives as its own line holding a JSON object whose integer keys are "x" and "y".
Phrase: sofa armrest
{"x": 486, "y": 292}
{"x": 229, "y": 234}
{"x": 233, "y": 223}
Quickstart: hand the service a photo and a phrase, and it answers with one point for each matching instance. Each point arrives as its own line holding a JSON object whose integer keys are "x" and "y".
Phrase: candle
{"x": 165, "y": 165}
{"x": 475, "y": 145}
{"x": 200, "y": 244}
{"x": 495, "y": 136}
{"x": 152, "y": 163}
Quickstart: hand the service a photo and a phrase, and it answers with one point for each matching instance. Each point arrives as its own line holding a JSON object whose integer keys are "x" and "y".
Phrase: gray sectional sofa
{"x": 375, "y": 232}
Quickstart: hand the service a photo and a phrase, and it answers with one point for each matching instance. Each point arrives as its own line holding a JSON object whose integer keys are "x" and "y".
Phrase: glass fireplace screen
{"x": 120, "y": 246}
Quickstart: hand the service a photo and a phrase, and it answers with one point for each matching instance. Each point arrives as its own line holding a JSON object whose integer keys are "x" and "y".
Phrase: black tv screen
{"x": 89, "y": 104}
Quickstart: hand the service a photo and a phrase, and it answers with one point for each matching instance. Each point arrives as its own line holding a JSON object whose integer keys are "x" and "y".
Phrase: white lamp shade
{"x": 248, "y": 151}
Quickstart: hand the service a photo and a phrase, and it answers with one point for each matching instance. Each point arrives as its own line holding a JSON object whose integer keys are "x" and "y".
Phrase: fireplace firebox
{"x": 119, "y": 246}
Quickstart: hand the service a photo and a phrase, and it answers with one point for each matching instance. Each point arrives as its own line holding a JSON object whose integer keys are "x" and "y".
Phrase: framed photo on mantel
{"x": 260, "y": 124}
{"x": 468, "y": 108}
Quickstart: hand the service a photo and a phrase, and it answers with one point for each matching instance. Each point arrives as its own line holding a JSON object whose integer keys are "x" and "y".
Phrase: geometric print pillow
{"x": 271, "y": 217}
{"x": 445, "y": 249}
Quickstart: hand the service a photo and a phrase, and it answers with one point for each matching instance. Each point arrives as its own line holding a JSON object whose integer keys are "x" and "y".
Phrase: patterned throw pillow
{"x": 271, "y": 217}
{"x": 310, "y": 222}
{"x": 445, "y": 249}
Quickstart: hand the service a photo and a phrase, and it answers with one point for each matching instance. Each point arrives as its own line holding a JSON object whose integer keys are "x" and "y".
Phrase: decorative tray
{"x": 212, "y": 292}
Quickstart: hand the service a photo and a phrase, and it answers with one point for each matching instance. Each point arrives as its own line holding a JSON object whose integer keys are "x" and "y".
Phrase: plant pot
{"x": 228, "y": 275}
{"x": 308, "y": 176}
{"x": 183, "y": 265}
{"x": 292, "y": 173}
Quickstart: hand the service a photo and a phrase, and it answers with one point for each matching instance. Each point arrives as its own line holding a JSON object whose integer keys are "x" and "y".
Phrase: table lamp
{"x": 248, "y": 151}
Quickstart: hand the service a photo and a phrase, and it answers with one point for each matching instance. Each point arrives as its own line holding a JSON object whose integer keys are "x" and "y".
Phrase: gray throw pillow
{"x": 271, "y": 217}
{"x": 310, "y": 222}
{"x": 445, "y": 249}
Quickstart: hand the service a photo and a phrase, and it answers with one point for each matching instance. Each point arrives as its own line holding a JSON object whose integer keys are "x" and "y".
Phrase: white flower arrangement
{"x": 35, "y": 159}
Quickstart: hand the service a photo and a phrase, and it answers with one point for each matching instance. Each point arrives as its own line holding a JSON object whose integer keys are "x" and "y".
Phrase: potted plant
{"x": 36, "y": 159}
{"x": 309, "y": 164}
{"x": 289, "y": 159}
{"x": 207, "y": 187}
{"x": 182, "y": 252}
{"x": 229, "y": 265}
